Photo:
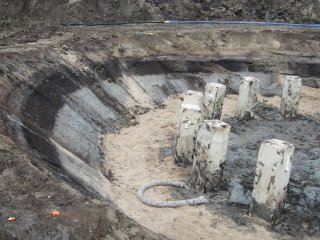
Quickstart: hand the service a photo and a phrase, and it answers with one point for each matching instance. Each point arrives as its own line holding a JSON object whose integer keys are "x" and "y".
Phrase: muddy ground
{"x": 144, "y": 152}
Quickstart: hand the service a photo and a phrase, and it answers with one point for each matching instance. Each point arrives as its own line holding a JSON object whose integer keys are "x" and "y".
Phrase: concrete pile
{"x": 290, "y": 96}
{"x": 210, "y": 154}
{"x": 248, "y": 93}
{"x": 272, "y": 178}
{"x": 190, "y": 117}
{"x": 202, "y": 140}
{"x": 213, "y": 101}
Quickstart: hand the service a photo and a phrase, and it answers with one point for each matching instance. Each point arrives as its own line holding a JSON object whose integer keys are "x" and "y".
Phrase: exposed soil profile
{"x": 141, "y": 153}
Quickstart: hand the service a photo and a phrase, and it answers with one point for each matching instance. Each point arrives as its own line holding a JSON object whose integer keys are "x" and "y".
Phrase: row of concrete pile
{"x": 202, "y": 140}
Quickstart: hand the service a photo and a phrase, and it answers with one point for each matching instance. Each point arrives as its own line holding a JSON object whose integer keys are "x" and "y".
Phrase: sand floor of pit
{"x": 133, "y": 157}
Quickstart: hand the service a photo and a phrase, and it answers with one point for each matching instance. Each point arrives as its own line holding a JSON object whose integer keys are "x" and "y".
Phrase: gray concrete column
{"x": 193, "y": 97}
{"x": 272, "y": 177}
{"x": 248, "y": 92}
{"x": 213, "y": 101}
{"x": 190, "y": 117}
{"x": 290, "y": 96}
{"x": 211, "y": 149}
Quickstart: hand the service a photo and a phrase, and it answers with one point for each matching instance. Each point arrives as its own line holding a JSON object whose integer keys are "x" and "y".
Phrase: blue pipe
{"x": 245, "y": 23}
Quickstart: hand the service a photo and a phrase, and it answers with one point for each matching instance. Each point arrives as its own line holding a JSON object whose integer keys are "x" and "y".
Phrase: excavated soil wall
{"x": 60, "y": 95}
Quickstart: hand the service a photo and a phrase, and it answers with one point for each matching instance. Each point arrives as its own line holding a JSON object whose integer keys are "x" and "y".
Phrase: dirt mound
{"x": 102, "y": 11}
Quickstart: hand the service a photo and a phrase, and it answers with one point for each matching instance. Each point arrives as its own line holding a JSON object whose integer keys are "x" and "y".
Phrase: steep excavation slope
{"x": 60, "y": 95}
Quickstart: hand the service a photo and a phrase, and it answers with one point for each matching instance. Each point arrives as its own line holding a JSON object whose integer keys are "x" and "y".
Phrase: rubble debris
{"x": 55, "y": 213}
{"x": 12, "y": 219}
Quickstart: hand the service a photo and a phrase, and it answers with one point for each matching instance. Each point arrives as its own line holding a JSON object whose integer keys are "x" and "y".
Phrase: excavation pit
{"x": 100, "y": 115}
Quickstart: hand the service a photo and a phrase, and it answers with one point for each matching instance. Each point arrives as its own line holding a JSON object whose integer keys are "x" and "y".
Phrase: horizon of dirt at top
{"x": 17, "y": 12}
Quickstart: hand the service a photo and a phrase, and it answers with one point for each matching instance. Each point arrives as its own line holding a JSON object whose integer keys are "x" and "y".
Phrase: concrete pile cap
{"x": 193, "y": 93}
{"x": 278, "y": 143}
{"x": 192, "y": 97}
{"x": 187, "y": 106}
{"x": 293, "y": 78}
{"x": 250, "y": 79}
{"x": 211, "y": 86}
{"x": 214, "y": 124}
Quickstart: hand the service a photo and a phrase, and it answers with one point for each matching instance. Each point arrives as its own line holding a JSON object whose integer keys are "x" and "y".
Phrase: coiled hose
{"x": 168, "y": 204}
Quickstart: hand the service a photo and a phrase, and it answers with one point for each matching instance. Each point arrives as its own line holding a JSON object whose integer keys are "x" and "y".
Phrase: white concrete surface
{"x": 190, "y": 117}
{"x": 272, "y": 177}
{"x": 290, "y": 96}
{"x": 213, "y": 101}
{"x": 211, "y": 149}
{"x": 248, "y": 92}
{"x": 193, "y": 97}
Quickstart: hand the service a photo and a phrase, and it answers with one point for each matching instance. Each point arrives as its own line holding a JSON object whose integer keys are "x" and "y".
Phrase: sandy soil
{"x": 29, "y": 192}
{"x": 135, "y": 157}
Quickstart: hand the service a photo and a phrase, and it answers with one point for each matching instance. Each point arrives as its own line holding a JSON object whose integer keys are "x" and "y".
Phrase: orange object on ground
{"x": 55, "y": 213}
{"x": 12, "y": 219}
